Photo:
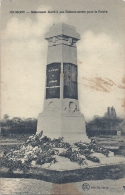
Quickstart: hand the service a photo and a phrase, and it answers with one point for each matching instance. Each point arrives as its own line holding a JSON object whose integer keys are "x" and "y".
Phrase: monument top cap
{"x": 62, "y": 29}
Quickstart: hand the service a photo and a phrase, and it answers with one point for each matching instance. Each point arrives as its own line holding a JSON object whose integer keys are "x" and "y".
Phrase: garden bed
{"x": 57, "y": 161}
{"x": 67, "y": 176}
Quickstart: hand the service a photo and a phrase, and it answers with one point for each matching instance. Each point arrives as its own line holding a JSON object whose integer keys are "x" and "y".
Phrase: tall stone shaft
{"x": 61, "y": 116}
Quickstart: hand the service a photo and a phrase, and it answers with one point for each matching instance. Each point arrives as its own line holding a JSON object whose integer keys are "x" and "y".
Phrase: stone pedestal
{"x": 61, "y": 116}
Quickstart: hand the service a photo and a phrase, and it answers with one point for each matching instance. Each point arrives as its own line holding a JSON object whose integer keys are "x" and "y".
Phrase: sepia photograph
{"x": 62, "y": 118}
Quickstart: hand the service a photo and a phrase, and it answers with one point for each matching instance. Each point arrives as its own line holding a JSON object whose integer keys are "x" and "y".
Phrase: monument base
{"x": 72, "y": 128}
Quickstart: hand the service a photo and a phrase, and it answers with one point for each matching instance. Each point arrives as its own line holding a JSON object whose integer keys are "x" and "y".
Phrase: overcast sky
{"x": 101, "y": 54}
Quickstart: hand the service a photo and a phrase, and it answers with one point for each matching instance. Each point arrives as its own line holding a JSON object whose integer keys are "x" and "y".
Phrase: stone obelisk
{"x": 61, "y": 116}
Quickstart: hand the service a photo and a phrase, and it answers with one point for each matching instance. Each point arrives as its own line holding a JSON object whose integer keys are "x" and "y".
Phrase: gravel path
{"x": 32, "y": 186}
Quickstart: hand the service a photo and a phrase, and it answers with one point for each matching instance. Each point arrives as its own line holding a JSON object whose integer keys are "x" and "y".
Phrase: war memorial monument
{"x": 61, "y": 116}
{"x": 45, "y": 155}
